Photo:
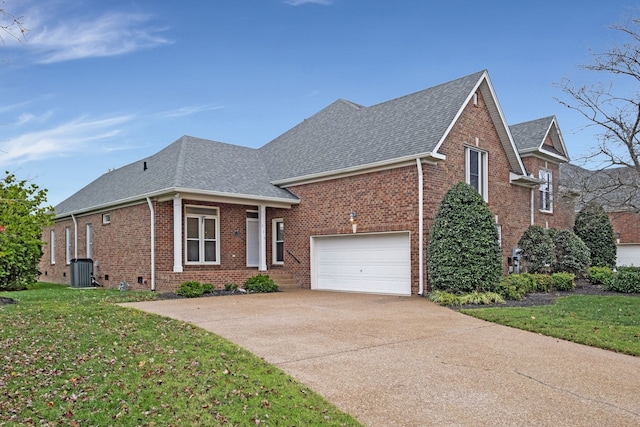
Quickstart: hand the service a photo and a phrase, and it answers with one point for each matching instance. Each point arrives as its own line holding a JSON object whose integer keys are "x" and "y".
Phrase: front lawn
{"x": 74, "y": 358}
{"x": 609, "y": 322}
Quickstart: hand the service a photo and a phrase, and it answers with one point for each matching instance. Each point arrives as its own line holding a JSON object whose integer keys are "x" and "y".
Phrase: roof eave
{"x": 429, "y": 157}
{"x": 523, "y": 180}
{"x": 169, "y": 192}
{"x": 546, "y": 155}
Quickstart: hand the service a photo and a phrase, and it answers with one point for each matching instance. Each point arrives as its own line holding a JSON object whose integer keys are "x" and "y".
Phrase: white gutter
{"x": 420, "y": 228}
{"x": 75, "y": 237}
{"x": 241, "y": 198}
{"x": 153, "y": 244}
{"x": 430, "y": 156}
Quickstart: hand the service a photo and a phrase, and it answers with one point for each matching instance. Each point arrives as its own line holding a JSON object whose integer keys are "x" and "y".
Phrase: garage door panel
{"x": 375, "y": 263}
{"x": 628, "y": 255}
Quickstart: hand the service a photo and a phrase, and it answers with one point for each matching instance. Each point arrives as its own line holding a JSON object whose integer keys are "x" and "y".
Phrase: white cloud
{"x": 68, "y": 138}
{"x": 189, "y": 110}
{"x": 110, "y": 34}
{"x": 25, "y": 118}
{"x": 301, "y": 2}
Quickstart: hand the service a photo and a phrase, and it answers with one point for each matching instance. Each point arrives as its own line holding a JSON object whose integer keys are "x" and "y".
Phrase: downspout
{"x": 153, "y": 244}
{"x": 532, "y": 209}
{"x": 420, "y": 228}
{"x": 75, "y": 236}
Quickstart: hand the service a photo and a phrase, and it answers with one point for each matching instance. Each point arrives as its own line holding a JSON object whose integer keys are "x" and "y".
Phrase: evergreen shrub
{"x": 190, "y": 289}
{"x": 593, "y": 226}
{"x": 464, "y": 254}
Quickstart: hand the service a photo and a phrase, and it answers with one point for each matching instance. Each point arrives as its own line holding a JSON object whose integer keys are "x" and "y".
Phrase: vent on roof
{"x": 144, "y": 167}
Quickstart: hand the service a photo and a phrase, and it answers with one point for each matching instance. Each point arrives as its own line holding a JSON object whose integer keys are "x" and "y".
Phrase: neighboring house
{"x": 617, "y": 190}
{"x": 342, "y": 201}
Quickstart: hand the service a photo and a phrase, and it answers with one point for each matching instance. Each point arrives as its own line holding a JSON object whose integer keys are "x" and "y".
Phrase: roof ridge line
{"x": 180, "y": 161}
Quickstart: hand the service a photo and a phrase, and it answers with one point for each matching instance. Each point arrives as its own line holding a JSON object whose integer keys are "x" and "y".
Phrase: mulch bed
{"x": 216, "y": 293}
{"x": 583, "y": 287}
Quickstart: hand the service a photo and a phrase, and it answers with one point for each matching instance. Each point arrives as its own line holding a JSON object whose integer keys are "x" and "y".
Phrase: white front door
{"x": 253, "y": 242}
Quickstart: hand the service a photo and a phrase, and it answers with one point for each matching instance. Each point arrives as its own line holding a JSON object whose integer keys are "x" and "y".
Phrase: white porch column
{"x": 177, "y": 234}
{"x": 263, "y": 238}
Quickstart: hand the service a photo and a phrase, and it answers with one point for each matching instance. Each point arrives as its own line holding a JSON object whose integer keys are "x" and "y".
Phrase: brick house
{"x": 617, "y": 191}
{"x": 342, "y": 201}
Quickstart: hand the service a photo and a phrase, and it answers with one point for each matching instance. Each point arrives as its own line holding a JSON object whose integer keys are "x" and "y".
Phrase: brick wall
{"x": 121, "y": 248}
{"x": 387, "y": 200}
{"x": 626, "y": 225}
{"x": 384, "y": 201}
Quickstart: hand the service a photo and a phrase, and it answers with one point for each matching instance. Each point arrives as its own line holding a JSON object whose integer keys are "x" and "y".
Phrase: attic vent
{"x": 475, "y": 99}
{"x": 144, "y": 167}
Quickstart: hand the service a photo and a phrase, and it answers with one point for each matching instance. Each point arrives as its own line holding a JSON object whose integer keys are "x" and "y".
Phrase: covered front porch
{"x": 215, "y": 239}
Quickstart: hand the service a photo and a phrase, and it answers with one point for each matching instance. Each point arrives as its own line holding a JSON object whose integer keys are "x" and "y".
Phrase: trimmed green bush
{"x": 444, "y": 298}
{"x": 572, "y": 255}
{"x": 208, "y": 288}
{"x": 463, "y": 250}
{"x": 542, "y": 282}
{"x": 627, "y": 280}
{"x": 564, "y": 281}
{"x": 601, "y": 276}
{"x": 260, "y": 284}
{"x": 516, "y": 286}
{"x": 479, "y": 298}
{"x": 190, "y": 289}
{"x": 594, "y": 228}
{"x": 230, "y": 286}
{"x": 538, "y": 250}
{"x": 508, "y": 290}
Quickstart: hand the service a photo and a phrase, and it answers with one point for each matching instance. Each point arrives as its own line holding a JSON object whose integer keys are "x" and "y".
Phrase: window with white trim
{"x": 201, "y": 235}
{"x": 89, "y": 241}
{"x": 278, "y": 240}
{"x": 52, "y": 246}
{"x": 546, "y": 190}
{"x": 67, "y": 244}
{"x": 476, "y": 171}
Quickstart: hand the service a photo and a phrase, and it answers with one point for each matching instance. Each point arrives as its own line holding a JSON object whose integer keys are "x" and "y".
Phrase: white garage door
{"x": 628, "y": 255}
{"x": 372, "y": 263}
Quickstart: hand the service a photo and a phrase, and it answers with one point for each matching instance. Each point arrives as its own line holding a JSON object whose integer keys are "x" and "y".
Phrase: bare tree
{"x": 11, "y": 25}
{"x": 614, "y": 109}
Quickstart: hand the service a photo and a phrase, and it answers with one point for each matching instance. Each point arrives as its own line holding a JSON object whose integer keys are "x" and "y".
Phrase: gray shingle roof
{"x": 616, "y": 189}
{"x": 530, "y": 136}
{"x": 346, "y": 135}
{"x": 343, "y": 136}
{"x": 188, "y": 163}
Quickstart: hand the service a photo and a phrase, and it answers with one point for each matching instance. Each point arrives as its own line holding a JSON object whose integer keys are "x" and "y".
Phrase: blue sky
{"x": 98, "y": 85}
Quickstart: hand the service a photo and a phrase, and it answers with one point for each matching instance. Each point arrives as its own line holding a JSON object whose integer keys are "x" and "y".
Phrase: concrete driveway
{"x": 403, "y": 361}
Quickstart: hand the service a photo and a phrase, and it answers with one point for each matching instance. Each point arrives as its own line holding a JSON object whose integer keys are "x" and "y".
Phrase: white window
{"x": 89, "y": 241}
{"x": 106, "y": 218}
{"x": 52, "y": 246}
{"x": 476, "y": 171}
{"x": 201, "y": 234}
{"x": 546, "y": 191}
{"x": 67, "y": 244}
{"x": 278, "y": 241}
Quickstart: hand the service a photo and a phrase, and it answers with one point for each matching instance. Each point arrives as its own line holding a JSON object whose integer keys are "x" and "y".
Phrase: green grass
{"x": 609, "y": 322}
{"x": 74, "y": 358}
